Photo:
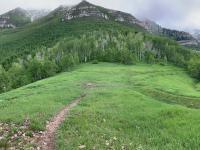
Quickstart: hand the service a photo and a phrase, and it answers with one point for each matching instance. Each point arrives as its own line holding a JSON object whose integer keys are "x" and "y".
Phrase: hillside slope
{"x": 15, "y": 18}
{"x": 64, "y": 22}
{"x": 47, "y": 31}
{"x": 83, "y": 33}
{"x": 125, "y": 106}
{"x": 19, "y": 17}
{"x": 183, "y": 38}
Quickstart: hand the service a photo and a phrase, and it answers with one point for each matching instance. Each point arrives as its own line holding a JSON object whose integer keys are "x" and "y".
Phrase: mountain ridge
{"x": 19, "y": 17}
{"x": 182, "y": 37}
{"x": 86, "y": 9}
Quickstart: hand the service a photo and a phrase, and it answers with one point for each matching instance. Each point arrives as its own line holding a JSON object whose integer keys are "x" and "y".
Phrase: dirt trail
{"x": 48, "y": 138}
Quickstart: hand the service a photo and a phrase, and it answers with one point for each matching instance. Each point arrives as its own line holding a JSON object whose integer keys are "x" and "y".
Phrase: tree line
{"x": 108, "y": 46}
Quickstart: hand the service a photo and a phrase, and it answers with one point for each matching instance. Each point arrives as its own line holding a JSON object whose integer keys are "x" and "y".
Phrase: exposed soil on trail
{"x": 89, "y": 85}
{"x": 24, "y": 138}
{"x": 47, "y": 140}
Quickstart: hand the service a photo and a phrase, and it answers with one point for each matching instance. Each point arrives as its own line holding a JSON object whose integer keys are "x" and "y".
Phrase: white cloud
{"x": 178, "y": 14}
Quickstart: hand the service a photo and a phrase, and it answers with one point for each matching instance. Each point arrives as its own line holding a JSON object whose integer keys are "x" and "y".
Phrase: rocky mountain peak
{"x": 84, "y": 3}
{"x": 19, "y": 17}
{"x": 8, "y": 20}
{"x": 17, "y": 11}
{"x": 84, "y": 9}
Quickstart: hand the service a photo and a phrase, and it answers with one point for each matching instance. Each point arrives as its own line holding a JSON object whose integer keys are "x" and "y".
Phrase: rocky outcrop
{"x": 125, "y": 17}
{"x": 14, "y": 18}
{"x": 86, "y": 9}
{"x": 4, "y": 22}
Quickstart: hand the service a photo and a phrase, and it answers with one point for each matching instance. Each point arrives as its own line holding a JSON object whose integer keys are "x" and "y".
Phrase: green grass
{"x": 128, "y": 107}
{"x": 39, "y": 101}
{"x": 118, "y": 114}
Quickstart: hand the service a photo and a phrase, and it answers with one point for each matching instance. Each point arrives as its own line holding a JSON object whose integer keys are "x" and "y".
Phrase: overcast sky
{"x": 175, "y": 14}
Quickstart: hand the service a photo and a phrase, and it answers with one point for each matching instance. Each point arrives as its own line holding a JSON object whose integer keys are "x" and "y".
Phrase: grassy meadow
{"x": 126, "y": 107}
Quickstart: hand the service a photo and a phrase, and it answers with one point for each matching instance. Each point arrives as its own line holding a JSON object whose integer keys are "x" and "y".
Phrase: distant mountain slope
{"x": 35, "y": 14}
{"x": 19, "y": 17}
{"x": 182, "y": 37}
{"x": 86, "y": 9}
{"x": 14, "y": 18}
{"x": 196, "y": 34}
{"x": 48, "y": 30}
{"x": 65, "y": 22}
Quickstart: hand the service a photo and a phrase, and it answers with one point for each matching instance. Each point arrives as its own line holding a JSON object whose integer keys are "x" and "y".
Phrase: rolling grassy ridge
{"x": 117, "y": 114}
{"x": 119, "y": 110}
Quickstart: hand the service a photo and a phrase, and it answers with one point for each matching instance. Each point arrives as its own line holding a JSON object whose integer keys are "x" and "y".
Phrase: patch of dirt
{"x": 48, "y": 137}
{"x": 89, "y": 85}
{"x": 15, "y": 137}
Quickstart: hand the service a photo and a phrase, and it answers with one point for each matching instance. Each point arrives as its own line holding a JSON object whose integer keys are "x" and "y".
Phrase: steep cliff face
{"x": 84, "y": 9}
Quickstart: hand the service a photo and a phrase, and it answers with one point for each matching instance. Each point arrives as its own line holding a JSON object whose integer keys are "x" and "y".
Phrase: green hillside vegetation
{"x": 124, "y": 107}
{"x": 50, "y": 45}
{"x": 47, "y": 32}
{"x": 87, "y": 44}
